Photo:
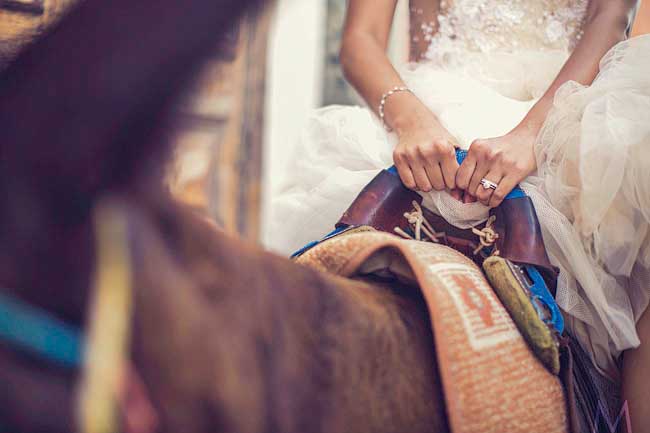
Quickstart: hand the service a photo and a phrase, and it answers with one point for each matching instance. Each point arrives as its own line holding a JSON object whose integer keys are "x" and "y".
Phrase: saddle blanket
{"x": 492, "y": 380}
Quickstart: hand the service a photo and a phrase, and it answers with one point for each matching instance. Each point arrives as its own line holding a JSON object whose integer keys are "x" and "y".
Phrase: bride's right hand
{"x": 425, "y": 156}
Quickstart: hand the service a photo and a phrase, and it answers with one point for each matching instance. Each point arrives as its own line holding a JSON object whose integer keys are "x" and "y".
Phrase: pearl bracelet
{"x": 384, "y": 98}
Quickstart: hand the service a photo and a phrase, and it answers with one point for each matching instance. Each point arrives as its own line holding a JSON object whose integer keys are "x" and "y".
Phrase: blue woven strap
{"x": 39, "y": 333}
{"x": 541, "y": 294}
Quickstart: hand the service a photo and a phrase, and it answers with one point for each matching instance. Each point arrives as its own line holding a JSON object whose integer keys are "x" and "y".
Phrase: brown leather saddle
{"x": 384, "y": 201}
{"x": 509, "y": 247}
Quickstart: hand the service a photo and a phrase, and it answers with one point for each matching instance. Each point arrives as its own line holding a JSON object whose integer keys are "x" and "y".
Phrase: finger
{"x": 480, "y": 171}
{"x": 404, "y": 171}
{"x": 465, "y": 171}
{"x": 506, "y": 185}
{"x": 449, "y": 167}
{"x": 484, "y": 194}
{"x": 421, "y": 177}
{"x": 435, "y": 176}
{"x": 457, "y": 194}
{"x": 469, "y": 198}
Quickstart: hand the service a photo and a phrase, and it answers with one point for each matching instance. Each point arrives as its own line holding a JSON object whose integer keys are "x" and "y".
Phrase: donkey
{"x": 226, "y": 337}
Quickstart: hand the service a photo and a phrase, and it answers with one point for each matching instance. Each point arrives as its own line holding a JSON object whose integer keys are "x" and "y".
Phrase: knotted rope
{"x": 487, "y": 236}
{"x": 424, "y": 231}
{"x": 420, "y": 226}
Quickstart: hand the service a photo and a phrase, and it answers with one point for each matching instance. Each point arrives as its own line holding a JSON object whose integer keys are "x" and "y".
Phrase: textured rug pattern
{"x": 492, "y": 381}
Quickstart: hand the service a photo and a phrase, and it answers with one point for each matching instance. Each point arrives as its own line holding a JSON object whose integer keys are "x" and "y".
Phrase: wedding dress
{"x": 484, "y": 69}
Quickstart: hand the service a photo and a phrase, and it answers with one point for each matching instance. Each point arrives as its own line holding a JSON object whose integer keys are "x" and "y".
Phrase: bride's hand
{"x": 505, "y": 160}
{"x": 425, "y": 156}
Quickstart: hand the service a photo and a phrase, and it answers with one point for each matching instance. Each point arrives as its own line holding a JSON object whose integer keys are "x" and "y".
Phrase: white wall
{"x": 293, "y": 86}
{"x": 294, "y": 81}
{"x": 398, "y": 48}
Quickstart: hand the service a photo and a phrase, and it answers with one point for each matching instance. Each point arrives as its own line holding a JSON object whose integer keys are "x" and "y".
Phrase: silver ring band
{"x": 488, "y": 184}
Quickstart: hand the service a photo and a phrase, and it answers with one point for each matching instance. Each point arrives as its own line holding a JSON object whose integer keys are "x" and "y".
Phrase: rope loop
{"x": 422, "y": 229}
{"x": 487, "y": 236}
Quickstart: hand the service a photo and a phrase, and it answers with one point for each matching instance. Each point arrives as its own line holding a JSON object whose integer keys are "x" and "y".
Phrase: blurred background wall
{"x": 642, "y": 24}
{"x": 22, "y": 20}
{"x": 304, "y": 74}
{"x": 217, "y": 167}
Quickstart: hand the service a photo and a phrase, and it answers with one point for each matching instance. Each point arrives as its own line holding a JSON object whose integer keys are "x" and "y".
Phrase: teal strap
{"x": 39, "y": 333}
{"x": 542, "y": 294}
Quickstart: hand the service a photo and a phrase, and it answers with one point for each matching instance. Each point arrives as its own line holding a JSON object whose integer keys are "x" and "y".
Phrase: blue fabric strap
{"x": 39, "y": 333}
{"x": 541, "y": 293}
{"x": 311, "y": 245}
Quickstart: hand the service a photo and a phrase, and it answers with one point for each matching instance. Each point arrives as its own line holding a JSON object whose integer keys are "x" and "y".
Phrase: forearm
{"x": 424, "y": 155}
{"x": 607, "y": 24}
{"x": 367, "y": 67}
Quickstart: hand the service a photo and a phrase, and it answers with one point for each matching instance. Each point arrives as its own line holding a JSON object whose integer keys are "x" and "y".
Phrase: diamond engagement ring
{"x": 488, "y": 184}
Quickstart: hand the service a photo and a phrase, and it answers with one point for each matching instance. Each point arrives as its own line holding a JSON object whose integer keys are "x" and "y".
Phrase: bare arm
{"x": 363, "y": 50}
{"x": 425, "y": 154}
{"x": 509, "y": 159}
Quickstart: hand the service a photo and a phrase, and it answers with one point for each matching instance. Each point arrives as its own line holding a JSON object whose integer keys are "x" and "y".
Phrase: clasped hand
{"x": 426, "y": 159}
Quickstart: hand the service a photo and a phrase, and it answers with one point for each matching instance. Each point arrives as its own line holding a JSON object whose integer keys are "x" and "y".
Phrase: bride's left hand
{"x": 505, "y": 160}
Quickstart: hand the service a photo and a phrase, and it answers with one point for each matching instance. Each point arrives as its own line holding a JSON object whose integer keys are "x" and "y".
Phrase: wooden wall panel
{"x": 218, "y": 155}
{"x": 218, "y": 162}
{"x": 22, "y": 20}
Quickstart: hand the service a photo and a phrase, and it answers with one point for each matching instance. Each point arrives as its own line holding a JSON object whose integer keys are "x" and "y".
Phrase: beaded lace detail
{"x": 503, "y": 26}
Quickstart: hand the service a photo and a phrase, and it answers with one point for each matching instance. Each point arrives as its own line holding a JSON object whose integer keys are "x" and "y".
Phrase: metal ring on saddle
{"x": 488, "y": 184}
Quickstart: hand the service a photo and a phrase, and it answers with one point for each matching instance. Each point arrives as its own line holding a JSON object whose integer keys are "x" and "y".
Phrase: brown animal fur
{"x": 295, "y": 351}
{"x": 226, "y": 337}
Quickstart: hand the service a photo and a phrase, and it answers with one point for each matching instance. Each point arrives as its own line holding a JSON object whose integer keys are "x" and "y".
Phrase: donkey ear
{"x": 83, "y": 109}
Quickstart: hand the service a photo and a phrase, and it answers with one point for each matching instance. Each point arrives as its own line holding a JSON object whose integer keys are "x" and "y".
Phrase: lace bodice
{"x": 503, "y": 26}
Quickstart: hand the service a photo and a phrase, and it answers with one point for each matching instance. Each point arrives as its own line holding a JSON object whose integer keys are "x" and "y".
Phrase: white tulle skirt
{"x": 591, "y": 191}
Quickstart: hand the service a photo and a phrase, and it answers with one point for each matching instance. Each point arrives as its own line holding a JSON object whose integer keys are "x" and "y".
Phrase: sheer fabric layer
{"x": 592, "y": 192}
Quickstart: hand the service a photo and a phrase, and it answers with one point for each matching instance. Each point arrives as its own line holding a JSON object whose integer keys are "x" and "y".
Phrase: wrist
{"x": 533, "y": 121}
{"x": 384, "y": 99}
{"x": 404, "y": 112}
{"x": 396, "y": 111}
{"x": 528, "y": 127}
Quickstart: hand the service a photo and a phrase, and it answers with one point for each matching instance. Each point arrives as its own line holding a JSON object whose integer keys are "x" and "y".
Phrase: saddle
{"x": 509, "y": 248}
